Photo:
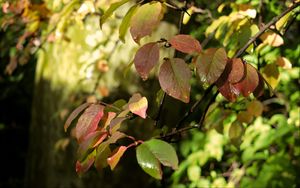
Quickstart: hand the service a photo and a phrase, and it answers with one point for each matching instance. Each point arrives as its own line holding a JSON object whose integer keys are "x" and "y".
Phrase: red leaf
{"x": 115, "y": 158}
{"x": 88, "y": 121}
{"x": 74, "y": 114}
{"x": 91, "y": 141}
{"x": 238, "y": 71}
{"x": 174, "y": 77}
{"x": 185, "y": 44}
{"x": 145, "y": 20}
{"x": 146, "y": 58}
{"x": 228, "y": 91}
{"x": 211, "y": 64}
{"x": 138, "y": 105}
{"x": 249, "y": 83}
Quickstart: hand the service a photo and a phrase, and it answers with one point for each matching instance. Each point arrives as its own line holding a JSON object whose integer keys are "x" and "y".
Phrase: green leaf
{"x": 271, "y": 74}
{"x": 126, "y": 22}
{"x": 110, "y": 11}
{"x": 174, "y": 78}
{"x": 235, "y": 133}
{"x": 153, "y": 152}
{"x": 211, "y": 64}
{"x": 145, "y": 20}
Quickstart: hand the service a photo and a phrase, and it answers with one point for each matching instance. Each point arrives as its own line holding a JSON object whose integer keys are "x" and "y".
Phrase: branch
{"x": 264, "y": 28}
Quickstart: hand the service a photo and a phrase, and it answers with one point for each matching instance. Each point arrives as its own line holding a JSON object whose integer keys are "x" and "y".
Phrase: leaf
{"x": 211, "y": 64}
{"x": 164, "y": 152}
{"x": 255, "y": 108}
{"x": 91, "y": 141}
{"x": 146, "y": 58}
{"x": 284, "y": 63}
{"x": 174, "y": 77}
{"x": 237, "y": 72}
{"x": 249, "y": 83}
{"x": 88, "y": 121}
{"x": 138, "y": 105}
{"x": 235, "y": 133}
{"x": 115, "y": 158}
{"x": 74, "y": 114}
{"x": 186, "y": 44}
{"x": 259, "y": 90}
{"x": 271, "y": 74}
{"x": 126, "y": 22}
{"x": 228, "y": 91}
{"x": 148, "y": 161}
{"x": 145, "y": 20}
{"x": 84, "y": 166}
{"x": 110, "y": 11}
{"x": 115, "y": 124}
{"x": 272, "y": 39}
{"x": 103, "y": 150}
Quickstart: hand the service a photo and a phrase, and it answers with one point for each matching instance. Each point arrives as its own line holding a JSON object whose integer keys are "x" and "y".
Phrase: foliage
{"x": 241, "y": 140}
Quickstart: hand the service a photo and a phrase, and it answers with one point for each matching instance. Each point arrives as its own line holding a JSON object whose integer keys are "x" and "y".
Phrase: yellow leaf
{"x": 272, "y": 39}
{"x": 244, "y": 117}
{"x": 271, "y": 74}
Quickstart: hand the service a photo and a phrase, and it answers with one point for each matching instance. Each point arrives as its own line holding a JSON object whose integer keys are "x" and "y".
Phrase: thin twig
{"x": 264, "y": 28}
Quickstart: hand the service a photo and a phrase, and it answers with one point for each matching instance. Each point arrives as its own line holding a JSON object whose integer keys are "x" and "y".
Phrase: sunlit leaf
{"x": 126, "y": 22}
{"x": 255, "y": 108}
{"x": 116, "y": 156}
{"x": 272, "y": 39}
{"x": 284, "y": 62}
{"x": 164, "y": 152}
{"x": 91, "y": 141}
{"x": 271, "y": 74}
{"x": 139, "y": 106}
{"x": 148, "y": 162}
{"x": 88, "y": 121}
{"x": 211, "y": 64}
{"x": 74, "y": 114}
{"x": 235, "y": 133}
{"x": 250, "y": 81}
{"x": 110, "y": 11}
{"x": 185, "y": 44}
{"x": 237, "y": 72}
{"x": 174, "y": 77}
{"x": 146, "y": 58}
{"x": 145, "y": 20}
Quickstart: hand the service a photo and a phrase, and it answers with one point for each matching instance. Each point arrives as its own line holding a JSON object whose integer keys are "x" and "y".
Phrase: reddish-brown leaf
{"x": 259, "y": 90}
{"x": 211, "y": 64}
{"x": 185, "y": 44}
{"x": 116, "y": 156}
{"x": 88, "y": 121}
{"x": 92, "y": 140}
{"x": 145, "y": 20}
{"x": 74, "y": 114}
{"x": 146, "y": 58}
{"x": 228, "y": 91}
{"x": 174, "y": 77}
{"x": 250, "y": 81}
{"x": 238, "y": 71}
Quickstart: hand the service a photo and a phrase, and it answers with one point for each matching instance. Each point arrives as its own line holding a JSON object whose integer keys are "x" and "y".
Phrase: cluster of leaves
{"x": 97, "y": 132}
{"x": 232, "y": 75}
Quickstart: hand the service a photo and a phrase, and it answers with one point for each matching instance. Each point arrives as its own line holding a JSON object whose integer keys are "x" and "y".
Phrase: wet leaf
{"x": 88, "y": 121}
{"x": 116, "y": 156}
{"x": 174, "y": 77}
{"x": 139, "y": 107}
{"x": 146, "y": 58}
{"x": 185, "y": 44}
{"x": 249, "y": 83}
{"x": 74, "y": 114}
{"x": 126, "y": 22}
{"x": 145, "y": 20}
{"x": 110, "y": 11}
{"x": 211, "y": 64}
